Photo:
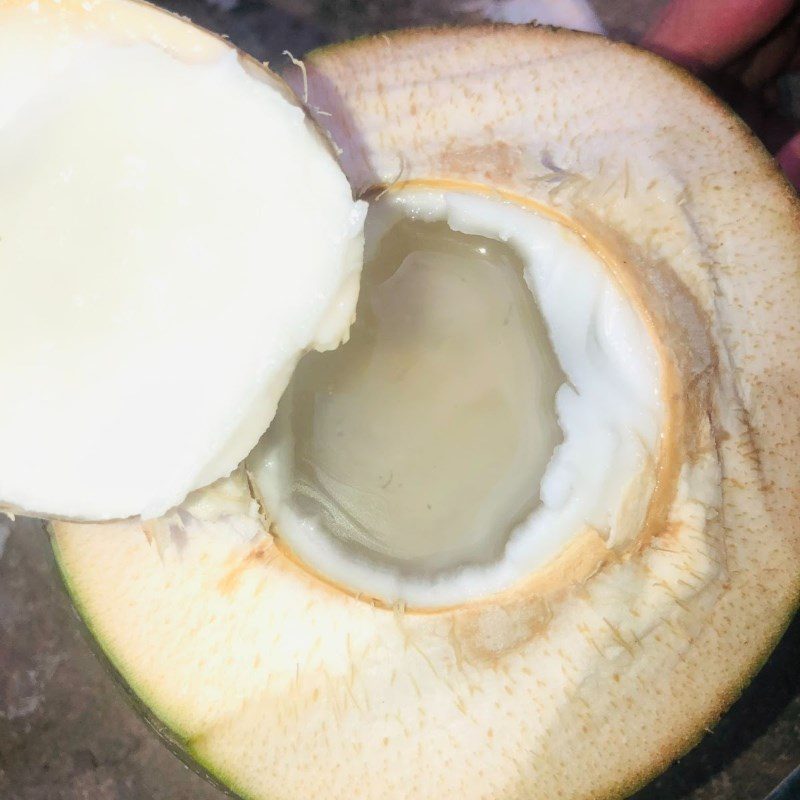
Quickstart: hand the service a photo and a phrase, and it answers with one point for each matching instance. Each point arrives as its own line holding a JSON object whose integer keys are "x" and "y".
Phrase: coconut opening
{"x": 423, "y": 440}
{"x": 498, "y": 397}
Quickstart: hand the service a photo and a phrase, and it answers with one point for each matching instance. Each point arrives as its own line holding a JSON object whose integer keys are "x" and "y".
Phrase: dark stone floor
{"x": 67, "y": 732}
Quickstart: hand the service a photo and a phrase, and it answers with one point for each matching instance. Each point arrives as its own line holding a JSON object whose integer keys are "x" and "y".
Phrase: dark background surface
{"x": 68, "y": 732}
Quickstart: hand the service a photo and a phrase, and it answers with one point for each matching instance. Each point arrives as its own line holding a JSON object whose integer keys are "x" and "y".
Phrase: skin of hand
{"x": 704, "y": 35}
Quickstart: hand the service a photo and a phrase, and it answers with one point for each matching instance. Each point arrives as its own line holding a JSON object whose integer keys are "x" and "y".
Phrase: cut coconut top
{"x": 175, "y": 234}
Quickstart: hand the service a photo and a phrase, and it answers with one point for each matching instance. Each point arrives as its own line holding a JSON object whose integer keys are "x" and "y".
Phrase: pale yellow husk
{"x": 287, "y": 687}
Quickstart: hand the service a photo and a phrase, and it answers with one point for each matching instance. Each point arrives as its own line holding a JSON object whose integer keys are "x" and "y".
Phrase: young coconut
{"x": 621, "y": 259}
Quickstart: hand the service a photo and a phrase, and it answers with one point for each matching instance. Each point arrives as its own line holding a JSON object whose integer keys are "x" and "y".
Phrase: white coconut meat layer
{"x": 174, "y": 234}
{"x": 455, "y": 445}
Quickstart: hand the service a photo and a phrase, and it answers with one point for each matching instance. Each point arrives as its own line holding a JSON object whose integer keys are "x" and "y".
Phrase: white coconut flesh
{"x": 498, "y": 395}
{"x": 589, "y": 674}
{"x": 165, "y": 208}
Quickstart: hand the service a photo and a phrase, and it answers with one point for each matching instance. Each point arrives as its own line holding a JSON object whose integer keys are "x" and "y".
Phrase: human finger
{"x": 707, "y": 33}
{"x": 789, "y": 160}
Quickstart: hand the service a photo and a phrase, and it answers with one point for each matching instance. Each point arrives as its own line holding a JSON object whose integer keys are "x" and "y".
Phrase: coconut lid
{"x": 175, "y": 234}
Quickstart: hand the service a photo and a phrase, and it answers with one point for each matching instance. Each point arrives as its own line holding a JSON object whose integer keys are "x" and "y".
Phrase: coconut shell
{"x": 284, "y": 686}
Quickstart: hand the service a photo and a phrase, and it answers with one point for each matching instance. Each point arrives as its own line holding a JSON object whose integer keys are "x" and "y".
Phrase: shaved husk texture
{"x": 284, "y": 686}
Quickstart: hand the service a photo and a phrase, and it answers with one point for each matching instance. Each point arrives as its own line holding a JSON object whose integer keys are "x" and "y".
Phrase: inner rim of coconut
{"x": 498, "y": 410}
